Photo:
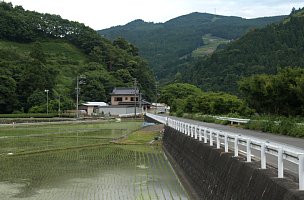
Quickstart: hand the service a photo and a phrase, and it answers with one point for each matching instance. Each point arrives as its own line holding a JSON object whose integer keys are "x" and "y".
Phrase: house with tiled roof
{"x": 125, "y": 101}
{"x": 125, "y": 96}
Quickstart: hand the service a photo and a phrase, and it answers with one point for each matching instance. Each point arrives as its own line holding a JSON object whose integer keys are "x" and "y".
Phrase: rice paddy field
{"x": 108, "y": 160}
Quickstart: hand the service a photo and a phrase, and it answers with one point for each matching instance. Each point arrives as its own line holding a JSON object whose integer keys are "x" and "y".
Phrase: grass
{"x": 210, "y": 45}
{"x": 145, "y": 135}
{"x": 139, "y": 137}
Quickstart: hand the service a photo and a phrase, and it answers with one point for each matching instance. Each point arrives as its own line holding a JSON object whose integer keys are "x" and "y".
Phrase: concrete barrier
{"x": 216, "y": 174}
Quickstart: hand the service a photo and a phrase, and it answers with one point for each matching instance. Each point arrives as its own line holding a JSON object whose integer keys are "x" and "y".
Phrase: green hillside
{"x": 265, "y": 50}
{"x": 211, "y": 43}
{"x": 62, "y": 56}
{"x": 163, "y": 44}
{"x": 43, "y": 51}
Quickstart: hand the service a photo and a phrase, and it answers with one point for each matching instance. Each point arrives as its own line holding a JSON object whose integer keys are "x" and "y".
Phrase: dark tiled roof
{"x": 124, "y": 91}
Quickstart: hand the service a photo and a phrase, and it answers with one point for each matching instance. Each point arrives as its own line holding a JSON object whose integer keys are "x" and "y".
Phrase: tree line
{"x": 281, "y": 94}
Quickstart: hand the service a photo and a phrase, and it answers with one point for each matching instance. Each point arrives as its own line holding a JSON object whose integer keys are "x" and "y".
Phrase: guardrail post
{"x": 189, "y": 130}
{"x": 226, "y": 142}
{"x": 218, "y": 143}
{"x": 236, "y": 147}
{"x": 205, "y": 136}
{"x": 211, "y": 138}
{"x": 180, "y": 126}
{"x": 280, "y": 163}
{"x": 301, "y": 172}
{"x": 248, "y": 150}
{"x": 195, "y": 132}
{"x": 263, "y": 156}
{"x": 200, "y": 133}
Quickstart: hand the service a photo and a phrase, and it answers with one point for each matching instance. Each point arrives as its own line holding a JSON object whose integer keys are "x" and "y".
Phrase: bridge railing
{"x": 221, "y": 139}
{"x": 234, "y": 120}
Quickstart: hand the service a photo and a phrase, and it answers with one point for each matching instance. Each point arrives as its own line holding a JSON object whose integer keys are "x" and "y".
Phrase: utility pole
{"x": 82, "y": 82}
{"x": 135, "y": 84}
{"x": 47, "y": 101}
{"x": 77, "y": 97}
{"x": 156, "y": 88}
{"x": 59, "y": 107}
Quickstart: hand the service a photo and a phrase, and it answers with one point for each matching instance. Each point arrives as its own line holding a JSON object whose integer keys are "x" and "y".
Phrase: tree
{"x": 280, "y": 94}
{"x": 37, "y": 98}
{"x": 35, "y": 76}
{"x": 38, "y": 53}
{"x": 177, "y": 91}
{"x": 8, "y": 98}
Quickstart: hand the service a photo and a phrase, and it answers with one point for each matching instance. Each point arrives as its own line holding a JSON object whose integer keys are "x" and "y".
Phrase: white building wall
{"x": 118, "y": 110}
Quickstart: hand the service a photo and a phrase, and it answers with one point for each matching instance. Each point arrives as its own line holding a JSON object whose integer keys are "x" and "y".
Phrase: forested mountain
{"x": 164, "y": 44}
{"x": 265, "y": 50}
{"x": 45, "y": 52}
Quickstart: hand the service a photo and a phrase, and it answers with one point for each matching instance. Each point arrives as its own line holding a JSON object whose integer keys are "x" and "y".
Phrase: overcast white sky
{"x": 100, "y": 14}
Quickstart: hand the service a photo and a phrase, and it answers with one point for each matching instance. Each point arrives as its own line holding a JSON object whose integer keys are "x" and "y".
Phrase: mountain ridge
{"x": 164, "y": 43}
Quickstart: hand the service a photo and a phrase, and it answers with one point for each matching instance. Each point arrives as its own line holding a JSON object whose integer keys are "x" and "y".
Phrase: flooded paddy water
{"x": 85, "y": 164}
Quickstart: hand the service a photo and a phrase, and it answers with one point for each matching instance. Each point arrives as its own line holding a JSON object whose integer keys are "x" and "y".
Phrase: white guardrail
{"x": 234, "y": 120}
{"x": 221, "y": 139}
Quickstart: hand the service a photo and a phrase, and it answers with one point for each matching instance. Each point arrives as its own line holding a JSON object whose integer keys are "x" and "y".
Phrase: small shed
{"x": 92, "y": 107}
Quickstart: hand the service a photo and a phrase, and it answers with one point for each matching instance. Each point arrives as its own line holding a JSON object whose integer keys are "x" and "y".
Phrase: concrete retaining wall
{"x": 214, "y": 174}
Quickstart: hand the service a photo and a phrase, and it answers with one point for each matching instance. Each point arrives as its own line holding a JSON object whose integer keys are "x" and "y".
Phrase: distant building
{"x": 125, "y": 96}
{"x": 159, "y": 108}
{"x": 124, "y": 101}
{"x": 92, "y": 107}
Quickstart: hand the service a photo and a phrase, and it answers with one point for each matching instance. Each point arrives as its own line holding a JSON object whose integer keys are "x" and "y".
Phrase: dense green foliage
{"x": 175, "y": 91}
{"x": 281, "y": 94}
{"x": 43, "y": 51}
{"x": 163, "y": 44}
{"x": 260, "y": 51}
{"x": 186, "y": 98}
{"x": 290, "y": 126}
